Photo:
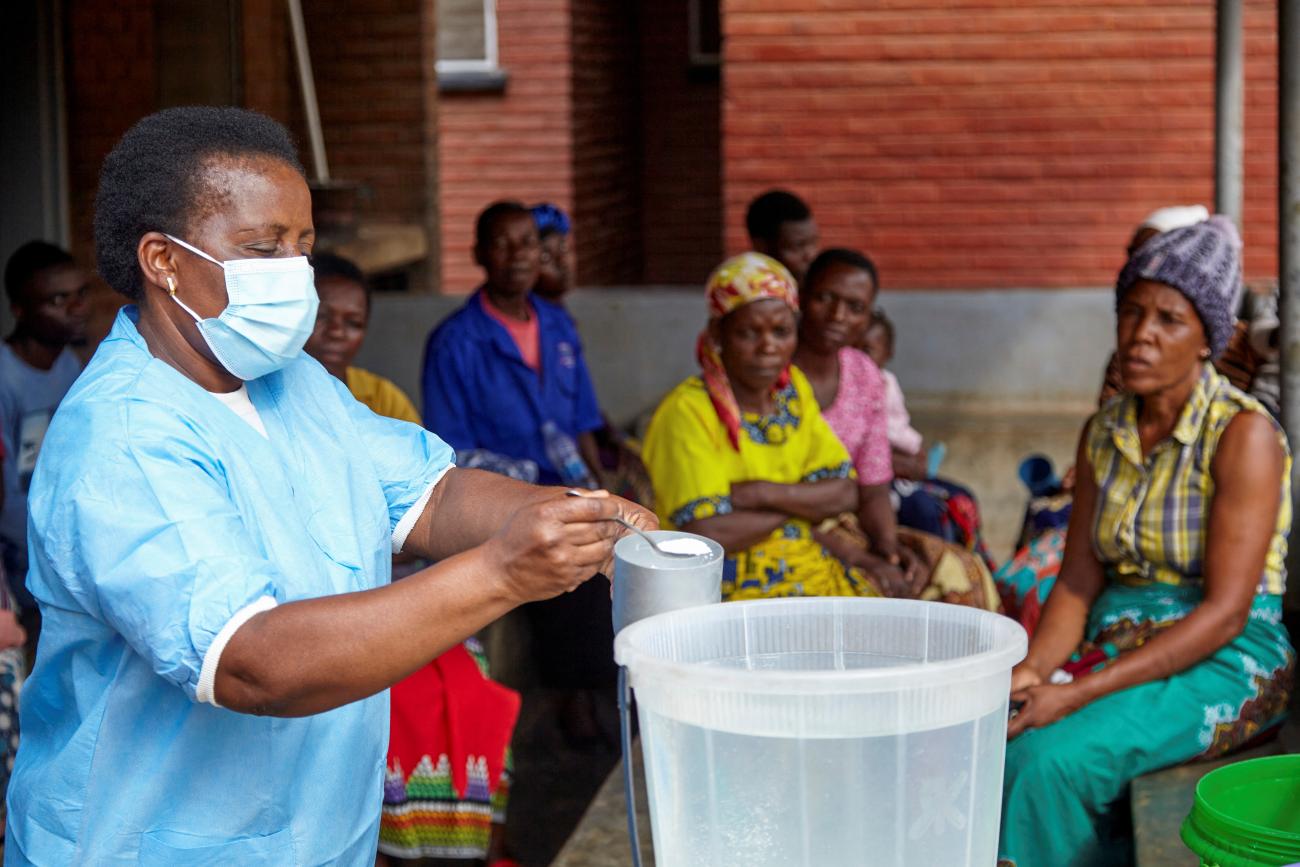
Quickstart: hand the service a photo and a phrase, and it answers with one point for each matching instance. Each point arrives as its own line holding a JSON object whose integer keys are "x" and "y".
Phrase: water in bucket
{"x": 823, "y": 731}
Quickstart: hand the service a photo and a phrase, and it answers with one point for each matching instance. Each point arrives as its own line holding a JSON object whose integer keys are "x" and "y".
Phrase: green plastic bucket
{"x": 1247, "y": 814}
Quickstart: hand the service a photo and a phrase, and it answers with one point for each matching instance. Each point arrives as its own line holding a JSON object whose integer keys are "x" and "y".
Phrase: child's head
{"x": 879, "y": 339}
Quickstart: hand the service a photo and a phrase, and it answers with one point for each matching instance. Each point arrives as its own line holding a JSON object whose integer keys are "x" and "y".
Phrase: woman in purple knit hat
{"x": 1162, "y": 641}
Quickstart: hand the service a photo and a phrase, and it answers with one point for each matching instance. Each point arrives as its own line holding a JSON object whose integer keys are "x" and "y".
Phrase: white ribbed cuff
{"x": 206, "y": 690}
{"x": 407, "y": 523}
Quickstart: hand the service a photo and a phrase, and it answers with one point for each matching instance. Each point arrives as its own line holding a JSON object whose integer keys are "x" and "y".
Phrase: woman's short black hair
{"x": 26, "y": 262}
{"x": 326, "y": 265}
{"x": 769, "y": 211}
{"x": 840, "y": 256}
{"x": 153, "y": 179}
{"x": 488, "y": 218}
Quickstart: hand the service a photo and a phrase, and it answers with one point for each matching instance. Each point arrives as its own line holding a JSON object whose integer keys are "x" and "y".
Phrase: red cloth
{"x": 526, "y": 335}
{"x": 449, "y": 708}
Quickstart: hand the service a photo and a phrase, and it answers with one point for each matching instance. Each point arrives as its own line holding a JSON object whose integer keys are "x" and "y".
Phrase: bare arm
{"x": 812, "y": 501}
{"x": 758, "y": 508}
{"x": 465, "y": 510}
{"x": 1247, "y": 472}
{"x": 1065, "y": 616}
{"x": 312, "y": 655}
{"x": 738, "y": 530}
{"x": 876, "y": 515}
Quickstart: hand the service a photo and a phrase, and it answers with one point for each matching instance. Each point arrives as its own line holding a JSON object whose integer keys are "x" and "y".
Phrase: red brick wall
{"x": 681, "y": 186}
{"x": 516, "y": 144}
{"x": 606, "y": 143}
{"x": 966, "y": 144}
{"x": 108, "y": 53}
{"x": 367, "y": 61}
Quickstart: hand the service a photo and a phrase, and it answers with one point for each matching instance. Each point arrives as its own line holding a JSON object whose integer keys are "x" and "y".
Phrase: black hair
{"x": 766, "y": 213}
{"x": 840, "y": 256}
{"x": 880, "y": 320}
{"x": 154, "y": 179}
{"x": 326, "y": 265}
{"x": 29, "y": 260}
{"x": 331, "y": 265}
{"x": 487, "y": 220}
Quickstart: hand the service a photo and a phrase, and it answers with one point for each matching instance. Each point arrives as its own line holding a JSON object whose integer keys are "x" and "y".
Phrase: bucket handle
{"x": 629, "y": 787}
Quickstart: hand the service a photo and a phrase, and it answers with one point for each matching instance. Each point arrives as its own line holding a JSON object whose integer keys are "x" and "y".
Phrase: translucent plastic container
{"x": 823, "y": 731}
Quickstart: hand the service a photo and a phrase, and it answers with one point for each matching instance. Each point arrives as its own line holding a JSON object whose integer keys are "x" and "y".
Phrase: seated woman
{"x": 741, "y": 453}
{"x": 937, "y": 506}
{"x": 1026, "y": 580}
{"x": 447, "y": 712}
{"x": 836, "y": 298}
{"x": 1162, "y": 641}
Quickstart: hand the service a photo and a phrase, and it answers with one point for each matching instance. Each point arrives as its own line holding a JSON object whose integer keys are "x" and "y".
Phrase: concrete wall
{"x": 1027, "y": 351}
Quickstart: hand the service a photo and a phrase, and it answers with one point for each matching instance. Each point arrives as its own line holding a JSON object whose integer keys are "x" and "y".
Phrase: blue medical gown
{"x": 157, "y": 514}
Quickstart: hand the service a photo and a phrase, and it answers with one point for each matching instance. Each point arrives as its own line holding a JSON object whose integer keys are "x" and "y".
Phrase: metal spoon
{"x": 642, "y": 533}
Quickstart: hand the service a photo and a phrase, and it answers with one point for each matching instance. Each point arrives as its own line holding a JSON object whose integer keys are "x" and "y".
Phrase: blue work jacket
{"x": 479, "y": 394}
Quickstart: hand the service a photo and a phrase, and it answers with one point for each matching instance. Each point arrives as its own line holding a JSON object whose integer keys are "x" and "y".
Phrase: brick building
{"x": 966, "y": 144}
{"x": 983, "y": 144}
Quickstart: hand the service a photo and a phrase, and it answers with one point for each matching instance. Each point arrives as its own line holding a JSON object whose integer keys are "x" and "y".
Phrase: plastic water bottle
{"x": 564, "y": 456}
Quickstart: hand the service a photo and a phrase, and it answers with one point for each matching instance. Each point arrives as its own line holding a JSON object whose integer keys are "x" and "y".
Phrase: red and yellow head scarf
{"x": 738, "y": 281}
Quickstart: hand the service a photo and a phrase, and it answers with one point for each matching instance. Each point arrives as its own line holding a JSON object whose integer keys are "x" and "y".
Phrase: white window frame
{"x": 489, "y": 63}
{"x": 697, "y": 56}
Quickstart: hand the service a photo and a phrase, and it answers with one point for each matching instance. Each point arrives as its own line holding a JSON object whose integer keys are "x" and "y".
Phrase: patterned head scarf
{"x": 738, "y": 281}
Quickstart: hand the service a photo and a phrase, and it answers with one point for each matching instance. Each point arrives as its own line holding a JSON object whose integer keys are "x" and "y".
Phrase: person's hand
{"x": 915, "y": 573}
{"x": 639, "y": 517}
{"x": 888, "y": 577}
{"x": 1067, "y": 482}
{"x": 910, "y": 467}
{"x": 1024, "y": 676}
{"x": 1043, "y": 705}
{"x": 11, "y": 632}
{"x": 552, "y": 546}
{"x": 629, "y": 511}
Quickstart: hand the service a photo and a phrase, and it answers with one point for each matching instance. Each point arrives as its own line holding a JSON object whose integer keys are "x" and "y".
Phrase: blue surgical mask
{"x": 270, "y": 312}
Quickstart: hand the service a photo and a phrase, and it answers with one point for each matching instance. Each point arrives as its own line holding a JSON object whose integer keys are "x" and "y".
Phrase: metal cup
{"x": 646, "y": 583}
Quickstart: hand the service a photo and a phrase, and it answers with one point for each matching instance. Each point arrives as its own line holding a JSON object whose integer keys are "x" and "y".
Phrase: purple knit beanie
{"x": 1203, "y": 261}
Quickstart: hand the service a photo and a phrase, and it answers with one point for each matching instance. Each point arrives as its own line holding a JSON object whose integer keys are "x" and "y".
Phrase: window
{"x": 467, "y": 36}
{"x": 705, "y": 33}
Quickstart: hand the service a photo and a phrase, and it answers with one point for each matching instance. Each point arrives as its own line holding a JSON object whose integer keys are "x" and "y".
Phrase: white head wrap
{"x": 1177, "y": 217}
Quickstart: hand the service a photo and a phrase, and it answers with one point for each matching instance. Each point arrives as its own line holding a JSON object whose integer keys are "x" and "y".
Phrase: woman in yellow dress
{"x": 741, "y": 453}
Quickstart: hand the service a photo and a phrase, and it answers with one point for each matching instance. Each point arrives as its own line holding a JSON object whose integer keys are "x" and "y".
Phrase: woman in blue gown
{"x": 211, "y": 528}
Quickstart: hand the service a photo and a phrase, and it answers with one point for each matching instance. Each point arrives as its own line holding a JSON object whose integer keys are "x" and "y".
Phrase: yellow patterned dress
{"x": 693, "y": 466}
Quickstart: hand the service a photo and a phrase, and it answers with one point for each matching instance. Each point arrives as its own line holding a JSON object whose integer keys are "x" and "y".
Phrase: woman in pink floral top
{"x": 836, "y": 299}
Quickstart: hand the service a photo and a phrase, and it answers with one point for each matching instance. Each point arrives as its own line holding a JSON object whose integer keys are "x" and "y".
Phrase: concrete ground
{"x": 984, "y": 450}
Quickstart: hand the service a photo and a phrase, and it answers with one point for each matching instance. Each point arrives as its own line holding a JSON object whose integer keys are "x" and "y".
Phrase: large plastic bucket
{"x": 823, "y": 731}
{"x": 1247, "y": 814}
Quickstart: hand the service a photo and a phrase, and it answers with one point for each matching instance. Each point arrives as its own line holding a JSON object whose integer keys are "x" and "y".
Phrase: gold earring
{"x": 171, "y": 285}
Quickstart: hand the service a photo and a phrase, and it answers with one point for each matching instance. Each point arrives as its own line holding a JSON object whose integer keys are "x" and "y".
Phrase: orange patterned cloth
{"x": 738, "y": 281}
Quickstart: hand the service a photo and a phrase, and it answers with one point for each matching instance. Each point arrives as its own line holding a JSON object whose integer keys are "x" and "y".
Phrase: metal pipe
{"x": 1229, "y": 97}
{"x": 308, "y": 81}
{"x": 1288, "y": 246}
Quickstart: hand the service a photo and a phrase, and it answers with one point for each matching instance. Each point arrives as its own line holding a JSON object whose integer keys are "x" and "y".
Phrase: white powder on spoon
{"x": 693, "y": 547}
